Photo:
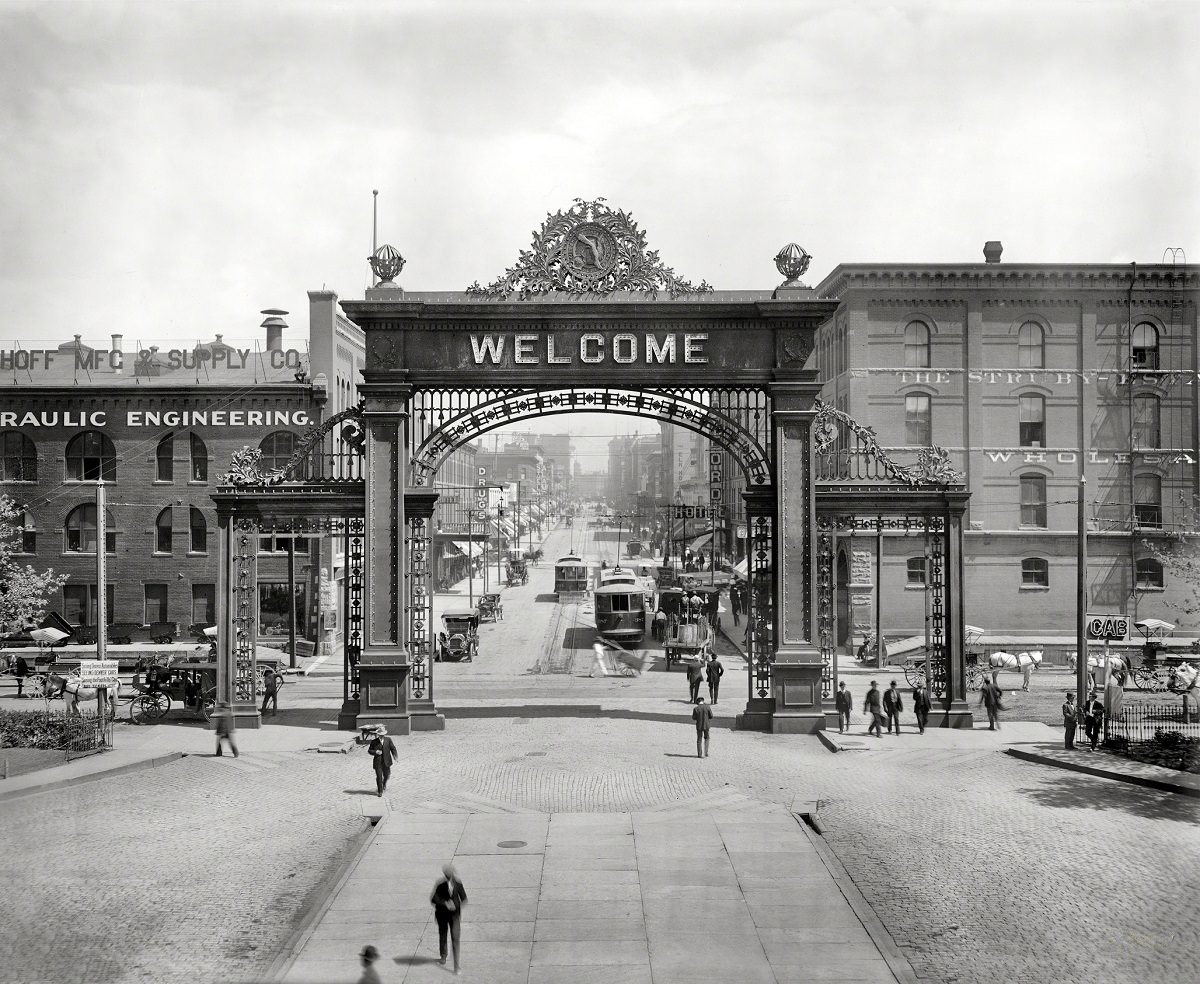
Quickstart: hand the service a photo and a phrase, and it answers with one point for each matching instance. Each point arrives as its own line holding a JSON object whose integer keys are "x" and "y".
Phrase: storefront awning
{"x": 739, "y": 569}
{"x": 700, "y": 541}
{"x": 464, "y": 546}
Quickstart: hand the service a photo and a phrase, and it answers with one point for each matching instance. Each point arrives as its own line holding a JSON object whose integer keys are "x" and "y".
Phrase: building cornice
{"x": 1005, "y": 276}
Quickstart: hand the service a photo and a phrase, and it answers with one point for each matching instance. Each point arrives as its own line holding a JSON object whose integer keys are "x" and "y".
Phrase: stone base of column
{"x": 799, "y": 708}
{"x": 348, "y": 715}
{"x": 423, "y": 716}
{"x": 757, "y": 716}
{"x": 956, "y": 715}
{"x": 247, "y": 716}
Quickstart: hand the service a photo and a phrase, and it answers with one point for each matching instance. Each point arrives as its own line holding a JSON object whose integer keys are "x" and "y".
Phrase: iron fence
{"x": 76, "y": 735}
{"x": 1144, "y": 723}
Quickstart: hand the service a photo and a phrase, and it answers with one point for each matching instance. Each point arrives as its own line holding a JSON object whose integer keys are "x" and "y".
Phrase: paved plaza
{"x": 941, "y": 858}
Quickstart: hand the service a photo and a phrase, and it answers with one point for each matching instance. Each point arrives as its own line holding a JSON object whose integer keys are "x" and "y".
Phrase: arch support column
{"x": 384, "y": 665}
{"x": 801, "y": 679}
{"x": 418, "y": 515}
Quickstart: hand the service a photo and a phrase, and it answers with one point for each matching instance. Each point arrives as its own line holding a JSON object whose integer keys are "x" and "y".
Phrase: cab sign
{"x": 1107, "y": 627}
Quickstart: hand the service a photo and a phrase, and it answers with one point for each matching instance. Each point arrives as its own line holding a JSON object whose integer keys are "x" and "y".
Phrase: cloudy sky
{"x": 168, "y": 169}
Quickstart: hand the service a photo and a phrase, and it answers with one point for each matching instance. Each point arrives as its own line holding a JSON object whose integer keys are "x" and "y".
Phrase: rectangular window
{"x": 918, "y": 429}
{"x": 156, "y": 603}
{"x": 165, "y": 467}
{"x": 273, "y": 608}
{"x": 204, "y": 604}
{"x": 79, "y": 604}
{"x": 278, "y": 544}
{"x": 1033, "y": 422}
{"x": 916, "y": 571}
{"x": 1033, "y": 501}
{"x": 1035, "y": 573}
{"x": 162, "y": 538}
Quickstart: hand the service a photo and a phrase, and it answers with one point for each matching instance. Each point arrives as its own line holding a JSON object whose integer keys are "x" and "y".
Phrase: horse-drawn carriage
{"x": 517, "y": 571}
{"x": 975, "y": 666}
{"x": 490, "y": 608}
{"x": 459, "y": 640}
{"x": 689, "y": 633}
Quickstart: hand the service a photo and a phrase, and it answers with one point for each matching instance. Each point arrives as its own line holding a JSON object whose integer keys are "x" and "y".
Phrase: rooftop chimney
{"x": 274, "y": 324}
{"x": 116, "y": 347}
{"x": 992, "y": 250}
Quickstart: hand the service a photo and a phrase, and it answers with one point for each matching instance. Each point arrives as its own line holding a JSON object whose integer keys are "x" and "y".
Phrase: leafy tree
{"x": 24, "y": 592}
{"x": 1179, "y": 554}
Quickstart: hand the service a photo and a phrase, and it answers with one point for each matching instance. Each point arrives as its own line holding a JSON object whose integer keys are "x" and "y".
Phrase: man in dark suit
{"x": 892, "y": 706}
{"x": 714, "y": 673}
{"x": 695, "y": 674}
{"x": 844, "y": 702}
{"x": 873, "y": 706}
{"x": 921, "y": 705}
{"x": 383, "y": 753}
{"x": 447, "y": 900}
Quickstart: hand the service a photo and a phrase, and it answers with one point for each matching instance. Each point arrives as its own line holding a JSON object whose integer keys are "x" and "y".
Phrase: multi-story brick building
{"x": 159, "y": 426}
{"x": 1030, "y": 375}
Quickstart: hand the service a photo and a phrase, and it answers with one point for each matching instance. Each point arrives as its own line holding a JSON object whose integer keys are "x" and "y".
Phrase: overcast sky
{"x": 168, "y": 170}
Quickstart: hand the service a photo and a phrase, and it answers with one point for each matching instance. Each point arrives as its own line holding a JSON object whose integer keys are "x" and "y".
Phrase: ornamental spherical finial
{"x": 792, "y": 261}
{"x": 387, "y": 264}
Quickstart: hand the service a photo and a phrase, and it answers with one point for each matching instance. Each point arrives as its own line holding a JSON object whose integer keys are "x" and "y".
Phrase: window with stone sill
{"x": 1035, "y": 574}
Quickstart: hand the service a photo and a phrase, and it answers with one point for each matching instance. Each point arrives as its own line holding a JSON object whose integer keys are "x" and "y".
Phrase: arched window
{"x": 918, "y": 420}
{"x": 18, "y": 458}
{"x": 1035, "y": 573}
{"x": 1149, "y": 574}
{"x": 1033, "y": 420}
{"x": 1147, "y": 501}
{"x": 277, "y": 450}
{"x": 163, "y": 531}
{"x": 915, "y": 570}
{"x": 1146, "y": 423}
{"x": 27, "y": 541}
{"x": 1144, "y": 346}
{"x": 91, "y": 457}
{"x": 199, "y": 530}
{"x": 1031, "y": 346}
{"x": 1033, "y": 501}
{"x": 916, "y": 345}
{"x": 164, "y": 470}
{"x": 80, "y": 531}
{"x": 199, "y": 471}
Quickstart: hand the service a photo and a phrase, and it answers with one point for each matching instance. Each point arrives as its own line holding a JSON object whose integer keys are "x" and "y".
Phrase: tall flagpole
{"x": 374, "y": 232}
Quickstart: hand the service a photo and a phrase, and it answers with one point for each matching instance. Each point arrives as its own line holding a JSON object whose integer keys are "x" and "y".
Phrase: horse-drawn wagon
{"x": 689, "y": 633}
{"x": 490, "y": 607}
{"x": 517, "y": 571}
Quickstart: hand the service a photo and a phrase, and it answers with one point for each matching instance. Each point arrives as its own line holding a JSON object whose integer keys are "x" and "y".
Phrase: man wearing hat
{"x": 369, "y": 975}
{"x": 383, "y": 753}
{"x": 447, "y": 900}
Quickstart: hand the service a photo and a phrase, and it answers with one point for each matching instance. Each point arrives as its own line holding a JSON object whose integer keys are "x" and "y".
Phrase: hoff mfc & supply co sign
{"x": 146, "y": 361}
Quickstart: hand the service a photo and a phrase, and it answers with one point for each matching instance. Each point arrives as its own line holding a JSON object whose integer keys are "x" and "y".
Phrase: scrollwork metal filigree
{"x": 588, "y": 249}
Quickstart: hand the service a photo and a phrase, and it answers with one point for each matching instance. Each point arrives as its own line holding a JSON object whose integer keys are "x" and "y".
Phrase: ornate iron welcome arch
{"x": 718, "y": 423}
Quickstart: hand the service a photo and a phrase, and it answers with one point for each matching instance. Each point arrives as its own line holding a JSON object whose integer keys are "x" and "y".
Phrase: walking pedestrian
{"x": 873, "y": 706}
{"x": 598, "y": 667}
{"x": 271, "y": 691}
{"x": 448, "y": 898}
{"x": 225, "y": 727}
{"x": 660, "y": 625}
{"x": 695, "y": 674}
{"x": 1026, "y": 675}
{"x": 1093, "y": 718}
{"x": 844, "y": 702}
{"x": 921, "y": 706}
{"x": 20, "y": 671}
{"x": 1070, "y": 718}
{"x": 735, "y": 603}
{"x": 383, "y": 753}
{"x": 702, "y": 714}
{"x": 368, "y": 956}
{"x": 892, "y": 706}
{"x": 714, "y": 673}
{"x": 989, "y": 697}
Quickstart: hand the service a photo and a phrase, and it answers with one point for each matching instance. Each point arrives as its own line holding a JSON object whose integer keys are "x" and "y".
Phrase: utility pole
{"x": 291, "y": 568}
{"x": 1082, "y": 598}
{"x": 101, "y": 571}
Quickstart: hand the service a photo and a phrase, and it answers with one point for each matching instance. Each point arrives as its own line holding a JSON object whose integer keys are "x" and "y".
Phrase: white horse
{"x": 1186, "y": 680}
{"x": 1095, "y": 664}
{"x": 72, "y": 691}
{"x": 1026, "y": 662}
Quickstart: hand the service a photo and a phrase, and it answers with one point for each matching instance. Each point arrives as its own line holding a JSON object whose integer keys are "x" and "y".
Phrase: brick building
{"x": 1029, "y": 375}
{"x": 158, "y": 426}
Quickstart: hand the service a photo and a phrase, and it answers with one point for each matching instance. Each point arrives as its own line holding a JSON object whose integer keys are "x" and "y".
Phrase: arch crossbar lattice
{"x": 735, "y": 419}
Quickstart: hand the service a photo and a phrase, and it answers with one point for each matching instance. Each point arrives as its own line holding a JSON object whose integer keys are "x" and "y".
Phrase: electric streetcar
{"x": 620, "y": 610}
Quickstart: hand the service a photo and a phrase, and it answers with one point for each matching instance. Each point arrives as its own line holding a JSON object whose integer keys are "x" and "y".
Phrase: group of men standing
{"x": 880, "y": 705}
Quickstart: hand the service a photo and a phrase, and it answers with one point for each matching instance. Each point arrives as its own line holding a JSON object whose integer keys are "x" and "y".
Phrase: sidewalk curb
{"x": 1146, "y": 781}
{"x": 892, "y": 955}
{"x": 323, "y": 894}
{"x": 119, "y": 770}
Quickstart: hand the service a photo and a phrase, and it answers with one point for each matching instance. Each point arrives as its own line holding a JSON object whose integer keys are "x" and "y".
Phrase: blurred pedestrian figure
{"x": 20, "y": 671}
{"x": 844, "y": 702}
{"x": 735, "y": 603}
{"x": 873, "y": 706}
{"x": 921, "y": 707}
{"x": 714, "y": 673}
{"x": 1070, "y": 718}
{"x": 368, "y": 956}
{"x": 1026, "y": 674}
{"x": 383, "y": 753}
{"x": 702, "y": 714}
{"x": 892, "y": 706}
{"x": 225, "y": 727}
{"x": 448, "y": 898}
{"x": 695, "y": 674}
{"x": 989, "y": 697}
{"x": 1114, "y": 695}
{"x": 1093, "y": 718}
{"x": 271, "y": 692}
{"x": 598, "y": 667}
{"x": 659, "y": 626}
